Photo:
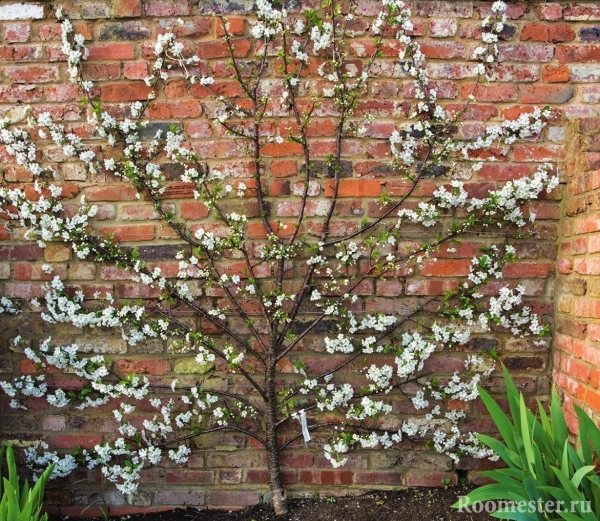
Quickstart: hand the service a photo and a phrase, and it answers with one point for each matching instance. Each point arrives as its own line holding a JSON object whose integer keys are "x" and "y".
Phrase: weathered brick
{"x": 443, "y": 28}
{"x": 590, "y": 34}
{"x": 21, "y": 10}
{"x": 135, "y": 70}
{"x": 17, "y": 32}
{"x": 545, "y": 93}
{"x": 188, "y": 477}
{"x": 151, "y": 367}
{"x": 118, "y": 192}
{"x": 125, "y": 8}
{"x": 585, "y": 72}
{"x": 527, "y": 52}
{"x": 124, "y": 31}
{"x": 139, "y": 232}
{"x": 430, "y": 479}
{"x": 551, "y": 11}
{"x": 581, "y": 12}
{"x": 490, "y": 92}
{"x": 167, "y": 7}
{"x": 32, "y": 73}
{"x": 232, "y": 498}
{"x": 57, "y": 252}
{"x": 180, "y": 496}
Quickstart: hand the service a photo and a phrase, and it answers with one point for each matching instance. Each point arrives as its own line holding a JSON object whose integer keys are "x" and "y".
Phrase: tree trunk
{"x": 279, "y": 500}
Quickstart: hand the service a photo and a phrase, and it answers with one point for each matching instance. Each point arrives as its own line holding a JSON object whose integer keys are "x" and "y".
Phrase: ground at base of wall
{"x": 416, "y": 504}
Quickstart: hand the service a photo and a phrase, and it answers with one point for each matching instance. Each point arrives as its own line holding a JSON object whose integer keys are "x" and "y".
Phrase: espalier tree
{"x": 278, "y": 291}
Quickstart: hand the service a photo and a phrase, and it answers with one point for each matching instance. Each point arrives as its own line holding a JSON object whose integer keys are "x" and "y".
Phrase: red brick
{"x": 283, "y": 168}
{"x": 325, "y": 477}
{"x": 443, "y": 50}
{"x": 235, "y": 26}
{"x": 523, "y": 270}
{"x": 490, "y": 92}
{"x": 219, "y": 49}
{"x": 126, "y": 8}
{"x": 537, "y": 153}
{"x": 72, "y": 441}
{"x": 539, "y": 32}
{"x": 430, "y": 287}
{"x": 555, "y": 73}
{"x": 112, "y": 51}
{"x": 193, "y": 210}
{"x": 378, "y": 477}
{"x": 118, "y": 192}
{"x": 285, "y": 149}
{"x": 545, "y": 93}
{"x": 446, "y": 268}
{"x": 125, "y": 92}
{"x": 102, "y": 71}
{"x": 504, "y": 171}
{"x": 355, "y": 188}
{"x": 135, "y": 70}
{"x": 32, "y": 73}
{"x": 129, "y": 233}
{"x": 578, "y": 53}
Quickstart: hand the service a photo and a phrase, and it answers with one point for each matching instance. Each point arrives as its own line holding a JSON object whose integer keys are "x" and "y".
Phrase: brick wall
{"x": 550, "y": 55}
{"x": 577, "y": 338}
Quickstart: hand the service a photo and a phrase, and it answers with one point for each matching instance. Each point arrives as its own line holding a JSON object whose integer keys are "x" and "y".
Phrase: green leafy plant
{"x": 547, "y": 477}
{"x": 20, "y": 503}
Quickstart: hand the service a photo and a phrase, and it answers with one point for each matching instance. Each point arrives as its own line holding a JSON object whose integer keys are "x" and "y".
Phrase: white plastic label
{"x": 301, "y": 417}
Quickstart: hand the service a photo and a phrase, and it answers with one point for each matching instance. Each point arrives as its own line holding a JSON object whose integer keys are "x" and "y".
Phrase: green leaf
{"x": 490, "y": 492}
{"x": 557, "y": 418}
{"x": 511, "y": 393}
{"x": 515, "y": 516}
{"x": 24, "y": 504}
{"x": 526, "y": 435}
{"x": 505, "y": 427}
{"x": 580, "y": 474}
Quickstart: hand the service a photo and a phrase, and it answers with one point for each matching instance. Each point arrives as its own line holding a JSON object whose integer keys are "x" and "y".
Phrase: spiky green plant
{"x": 20, "y": 503}
{"x": 543, "y": 466}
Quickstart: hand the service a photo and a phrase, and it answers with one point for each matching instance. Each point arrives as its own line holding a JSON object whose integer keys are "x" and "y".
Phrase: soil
{"x": 415, "y": 504}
